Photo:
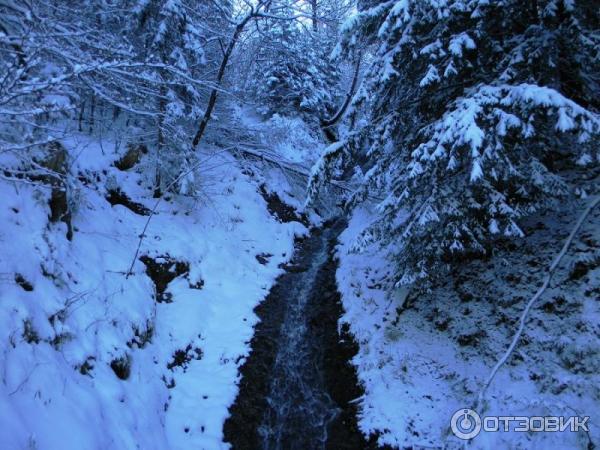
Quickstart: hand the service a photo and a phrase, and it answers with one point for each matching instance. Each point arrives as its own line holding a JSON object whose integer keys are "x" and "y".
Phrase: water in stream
{"x": 299, "y": 406}
{"x": 297, "y": 384}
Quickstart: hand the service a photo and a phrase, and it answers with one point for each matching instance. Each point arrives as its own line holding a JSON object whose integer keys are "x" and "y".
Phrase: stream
{"x": 297, "y": 384}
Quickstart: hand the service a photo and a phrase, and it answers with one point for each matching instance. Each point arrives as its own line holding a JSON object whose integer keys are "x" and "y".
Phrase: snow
{"x": 430, "y": 77}
{"x": 457, "y": 43}
{"x": 289, "y": 137}
{"x": 476, "y": 171}
{"x": 83, "y": 310}
{"x": 422, "y": 357}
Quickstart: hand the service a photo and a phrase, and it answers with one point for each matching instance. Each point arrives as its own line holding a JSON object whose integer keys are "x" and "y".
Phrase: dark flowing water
{"x": 299, "y": 406}
{"x": 297, "y": 385}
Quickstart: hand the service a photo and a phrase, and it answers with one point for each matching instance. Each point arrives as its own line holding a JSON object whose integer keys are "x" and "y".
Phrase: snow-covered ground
{"x": 423, "y": 358}
{"x": 91, "y": 359}
{"x": 289, "y": 137}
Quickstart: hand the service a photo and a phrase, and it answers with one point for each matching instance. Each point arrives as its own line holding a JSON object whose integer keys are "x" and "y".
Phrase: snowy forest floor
{"x": 150, "y": 360}
{"x": 424, "y": 357}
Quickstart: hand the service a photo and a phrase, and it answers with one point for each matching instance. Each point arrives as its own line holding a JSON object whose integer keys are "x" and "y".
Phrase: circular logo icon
{"x": 465, "y": 424}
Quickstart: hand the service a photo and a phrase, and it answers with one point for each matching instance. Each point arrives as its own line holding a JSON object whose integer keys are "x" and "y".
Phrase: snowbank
{"x": 94, "y": 360}
{"x": 423, "y": 358}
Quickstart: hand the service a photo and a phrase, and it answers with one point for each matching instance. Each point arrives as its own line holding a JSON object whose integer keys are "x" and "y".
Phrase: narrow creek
{"x": 297, "y": 385}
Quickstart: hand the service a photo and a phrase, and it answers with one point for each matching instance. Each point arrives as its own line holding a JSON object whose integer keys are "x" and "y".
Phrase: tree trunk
{"x": 160, "y": 142}
{"x": 81, "y": 114}
{"x": 160, "y": 124}
{"x": 213, "y": 95}
{"x": 92, "y": 113}
{"x": 326, "y": 123}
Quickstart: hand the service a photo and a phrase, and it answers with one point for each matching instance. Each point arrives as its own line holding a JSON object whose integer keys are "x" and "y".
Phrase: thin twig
{"x": 538, "y": 294}
{"x": 153, "y": 211}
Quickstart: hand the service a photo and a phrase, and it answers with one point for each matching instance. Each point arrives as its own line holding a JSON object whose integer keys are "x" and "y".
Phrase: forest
{"x": 299, "y": 224}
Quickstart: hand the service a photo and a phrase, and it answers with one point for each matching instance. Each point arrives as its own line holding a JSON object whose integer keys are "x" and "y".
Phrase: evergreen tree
{"x": 294, "y": 72}
{"x": 470, "y": 105}
{"x": 170, "y": 36}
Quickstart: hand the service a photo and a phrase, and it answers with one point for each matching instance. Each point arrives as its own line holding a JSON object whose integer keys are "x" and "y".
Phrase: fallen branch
{"x": 537, "y": 295}
{"x": 294, "y": 168}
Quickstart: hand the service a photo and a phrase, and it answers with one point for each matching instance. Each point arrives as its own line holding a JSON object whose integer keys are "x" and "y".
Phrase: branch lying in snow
{"x": 551, "y": 269}
{"x": 26, "y": 379}
{"x": 291, "y": 167}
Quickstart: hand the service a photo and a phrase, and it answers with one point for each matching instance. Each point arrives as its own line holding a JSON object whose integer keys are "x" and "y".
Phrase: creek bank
{"x": 297, "y": 386}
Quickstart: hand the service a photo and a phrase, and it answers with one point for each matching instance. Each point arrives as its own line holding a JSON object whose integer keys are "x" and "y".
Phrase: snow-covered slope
{"x": 92, "y": 359}
{"x": 424, "y": 357}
